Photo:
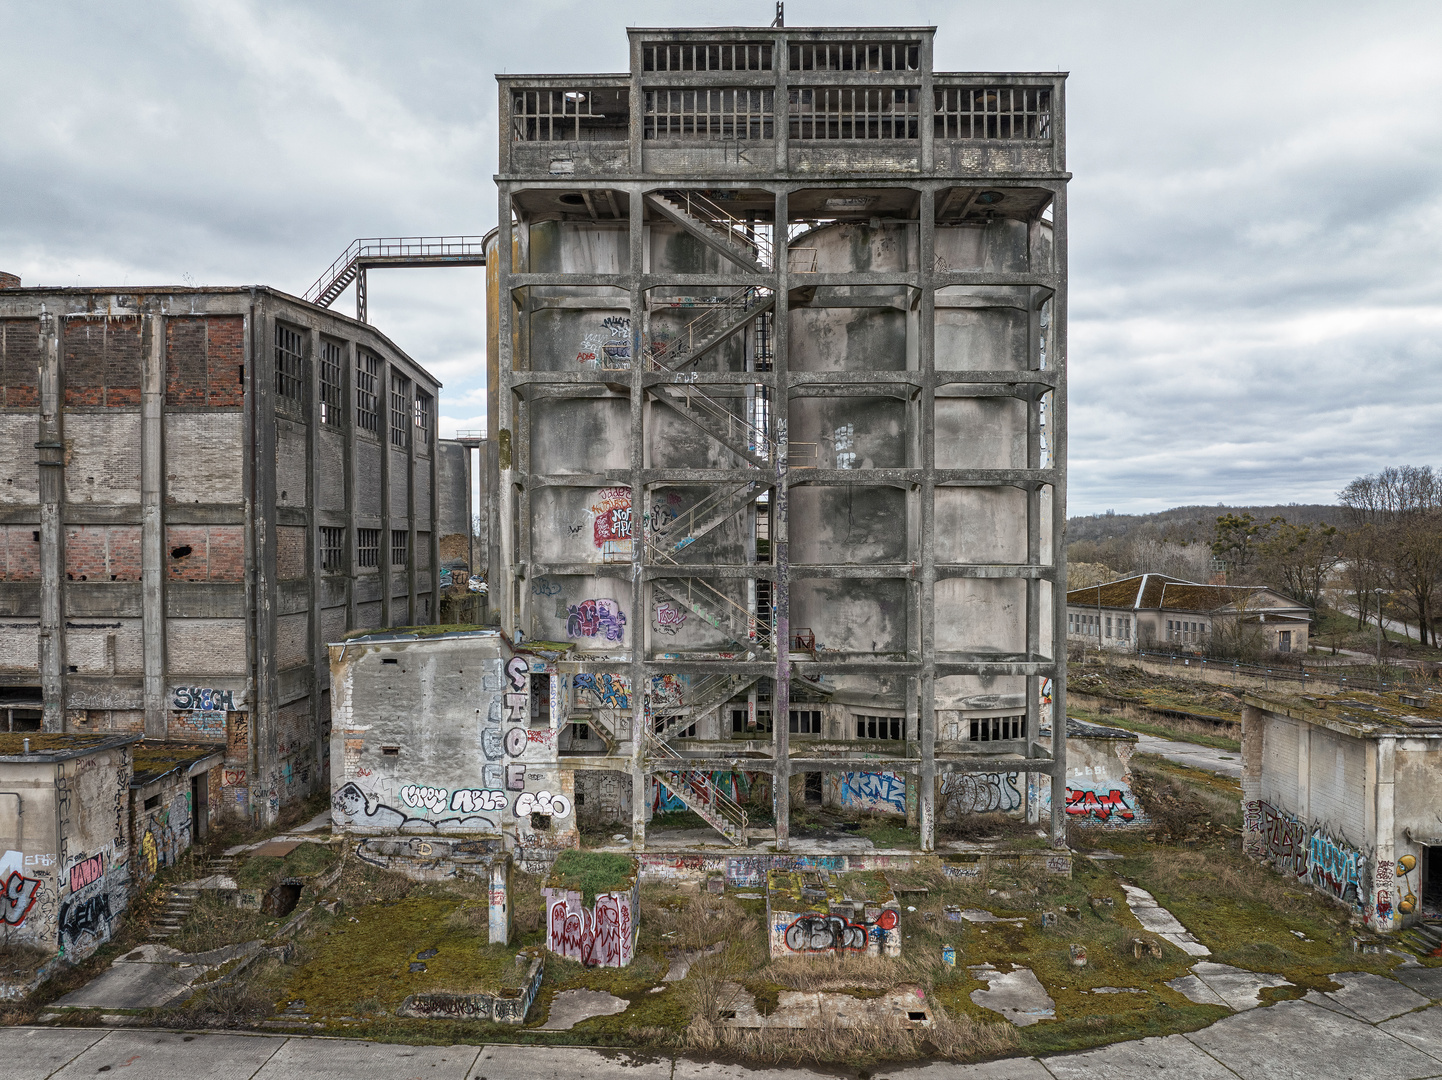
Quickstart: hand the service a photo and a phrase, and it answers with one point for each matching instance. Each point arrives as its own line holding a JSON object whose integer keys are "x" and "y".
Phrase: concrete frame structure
{"x": 769, "y": 118}
{"x": 164, "y": 569}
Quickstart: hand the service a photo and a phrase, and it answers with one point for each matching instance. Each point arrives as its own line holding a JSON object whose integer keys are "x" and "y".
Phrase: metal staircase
{"x": 696, "y": 790}
{"x": 716, "y": 609}
{"x": 729, "y": 236}
{"x": 706, "y": 694}
{"x": 376, "y": 252}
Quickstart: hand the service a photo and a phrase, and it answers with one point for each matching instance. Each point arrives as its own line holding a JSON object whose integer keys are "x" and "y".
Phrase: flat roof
{"x": 155, "y": 758}
{"x": 1359, "y": 713}
{"x": 56, "y": 746}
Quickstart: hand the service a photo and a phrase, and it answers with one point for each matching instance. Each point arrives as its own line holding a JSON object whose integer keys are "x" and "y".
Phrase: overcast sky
{"x": 1256, "y": 218}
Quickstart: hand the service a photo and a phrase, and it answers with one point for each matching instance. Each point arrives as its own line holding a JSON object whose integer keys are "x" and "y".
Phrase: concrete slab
{"x": 140, "y": 985}
{"x": 1373, "y": 997}
{"x": 1172, "y": 1055}
{"x": 1003, "y": 1069}
{"x": 1292, "y": 1040}
{"x": 1237, "y": 987}
{"x": 1426, "y": 981}
{"x": 1016, "y": 995}
{"x": 315, "y": 824}
{"x": 312, "y": 1059}
{"x": 1421, "y": 1029}
{"x": 36, "y": 1053}
{"x": 1322, "y": 1001}
{"x": 1221, "y": 762}
{"x": 977, "y": 915}
{"x": 1162, "y": 922}
{"x": 715, "y": 1070}
{"x": 570, "y": 1007}
{"x": 1193, "y": 989}
{"x": 566, "y": 1063}
{"x": 163, "y": 1055}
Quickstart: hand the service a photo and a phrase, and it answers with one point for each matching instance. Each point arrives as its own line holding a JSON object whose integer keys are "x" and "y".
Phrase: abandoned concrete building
{"x": 1343, "y": 791}
{"x": 1147, "y": 611}
{"x": 198, "y": 488}
{"x": 777, "y": 378}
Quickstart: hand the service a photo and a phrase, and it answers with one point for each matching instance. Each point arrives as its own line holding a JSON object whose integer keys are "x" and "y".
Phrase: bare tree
{"x": 1402, "y": 505}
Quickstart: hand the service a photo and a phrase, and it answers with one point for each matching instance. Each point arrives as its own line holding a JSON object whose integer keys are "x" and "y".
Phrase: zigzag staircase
{"x": 729, "y": 236}
{"x": 699, "y": 794}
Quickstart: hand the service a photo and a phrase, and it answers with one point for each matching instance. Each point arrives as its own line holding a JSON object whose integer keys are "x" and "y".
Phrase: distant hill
{"x": 1190, "y": 524}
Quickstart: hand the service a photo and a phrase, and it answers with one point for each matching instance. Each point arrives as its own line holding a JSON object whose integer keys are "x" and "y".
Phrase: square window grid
{"x": 400, "y": 410}
{"x": 330, "y": 384}
{"x": 997, "y": 728}
{"x": 367, "y": 402}
{"x": 368, "y": 547}
{"x": 332, "y": 548}
{"x": 289, "y": 364}
{"x": 400, "y": 544}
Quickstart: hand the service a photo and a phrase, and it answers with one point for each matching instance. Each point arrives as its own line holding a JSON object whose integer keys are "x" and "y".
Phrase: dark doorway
{"x": 813, "y": 787}
{"x": 1432, "y": 881}
{"x": 200, "y": 807}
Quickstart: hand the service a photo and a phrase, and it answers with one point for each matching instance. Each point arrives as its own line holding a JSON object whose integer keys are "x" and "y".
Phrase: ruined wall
{"x": 450, "y": 735}
{"x": 603, "y": 935}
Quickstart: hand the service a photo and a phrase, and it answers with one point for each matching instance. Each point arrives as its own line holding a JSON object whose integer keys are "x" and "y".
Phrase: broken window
{"x": 731, "y": 56}
{"x": 709, "y": 114}
{"x": 855, "y": 56}
{"x": 805, "y": 722}
{"x": 425, "y": 414}
{"x": 367, "y": 404}
{"x": 854, "y": 112}
{"x": 368, "y": 547}
{"x": 289, "y": 364}
{"x": 994, "y": 112}
{"x": 400, "y": 547}
{"x": 332, "y": 548}
{"x": 881, "y": 727}
{"x": 400, "y": 410}
{"x": 997, "y": 728}
{"x": 588, "y": 115}
{"x": 330, "y": 383}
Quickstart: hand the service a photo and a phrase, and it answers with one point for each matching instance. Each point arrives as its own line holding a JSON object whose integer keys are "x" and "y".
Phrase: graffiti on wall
{"x": 609, "y": 690}
{"x": 611, "y": 516}
{"x": 601, "y": 936}
{"x": 542, "y": 802}
{"x": 883, "y": 791}
{"x": 85, "y": 871}
{"x": 1106, "y": 807}
{"x": 205, "y": 699}
{"x": 18, "y": 892}
{"x": 1326, "y": 860}
{"x": 608, "y": 347}
{"x": 813, "y": 933}
{"x": 1338, "y": 868}
{"x": 594, "y": 618}
{"x": 669, "y": 617}
{"x": 736, "y": 786}
{"x": 352, "y": 806}
{"x": 980, "y": 793}
{"x": 1283, "y": 838}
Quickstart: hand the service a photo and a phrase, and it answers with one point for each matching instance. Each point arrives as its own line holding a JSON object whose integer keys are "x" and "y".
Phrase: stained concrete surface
{"x": 1017, "y": 995}
{"x": 35, "y": 1053}
{"x": 1372, "y": 997}
{"x": 1421, "y": 1029}
{"x": 1172, "y": 1055}
{"x": 802, "y": 1010}
{"x": 1426, "y": 981}
{"x": 1236, "y": 988}
{"x": 149, "y": 976}
{"x": 364, "y": 1060}
{"x": 565, "y": 1063}
{"x": 164, "y": 1055}
{"x": 1162, "y": 922}
{"x": 570, "y": 1007}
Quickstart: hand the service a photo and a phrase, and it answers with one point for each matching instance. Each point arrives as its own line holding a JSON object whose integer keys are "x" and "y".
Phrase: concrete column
{"x": 349, "y": 357}
{"x": 1056, "y": 444}
{"x": 1384, "y": 800}
{"x": 926, "y": 405}
{"x": 319, "y": 656}
{"x": 780, "y": 536}
{"x": 502, "y": 590}
{"x": 413, "y": 556}
{"x": 50, "y": 452}
{"x": 264, "y": 776}
{"x": 152, "y": 522}
{"x": 383, "y": 426}
{"x": 640, "y": 614}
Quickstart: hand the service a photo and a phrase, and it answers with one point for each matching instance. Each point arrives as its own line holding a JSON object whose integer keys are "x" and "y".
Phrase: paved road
{"x": 1295, "y": 1040}
{"x": 1222, "y": 762}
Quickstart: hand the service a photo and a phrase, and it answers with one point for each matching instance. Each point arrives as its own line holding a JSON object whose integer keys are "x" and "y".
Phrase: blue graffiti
{"x": 873, "y": 791}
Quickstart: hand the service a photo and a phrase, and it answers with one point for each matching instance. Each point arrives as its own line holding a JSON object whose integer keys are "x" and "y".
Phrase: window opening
{"x": 330, "y": 383}
{"x": 997, "y": 728}
{"x": 579, "y": 115}
{"x": 995, "y": 112}
{"x": 368, "y": 547}
{"x": 289, "y": 382}
{"x": 400, "y": 547}
{"x": 805, "y": 722}
{"x": 425, "y": 410}
{"x": 732, "y": 56}
{"x": 851, "y": 112}
{"x": 400, "y": 410}
{"x": 709, "y": 114}
{"x": 854, "y": 56}
{"x": 332, "y": 548}
{"x": 367, "y": 403}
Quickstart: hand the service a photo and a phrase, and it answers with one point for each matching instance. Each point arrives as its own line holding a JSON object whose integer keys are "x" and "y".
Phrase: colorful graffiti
{"x": 601, "y": 936}
{"x": 592, "y": 618}
{"x": 1328, "y": 862}
{"x": 1100, "y": 806}
{"x": 1337, "y": 868}
{"x": 202, "y": 698}
{"x": 882, "y": 791}
{"x": 542, "y": 802}
{"x": 18, "y": 893}
{"x": 86, "y": 871}
{"x": 611, "y": 691}
{"x": 1283, "y": 837}
{"x": 611, "y": 514}
{"x": 833, "y": 933}
{"x": 609, "y": 347}
{"x": 736, "y": 786}
{"x": 354, "y": 807}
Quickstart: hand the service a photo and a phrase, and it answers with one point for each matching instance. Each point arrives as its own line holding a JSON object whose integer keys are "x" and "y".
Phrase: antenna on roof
{"x": 780, "y": 19}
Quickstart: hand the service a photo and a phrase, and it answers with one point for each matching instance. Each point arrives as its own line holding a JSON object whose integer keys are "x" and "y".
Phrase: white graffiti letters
{"x": 542, "y": 802}
{"x": 474, "y": 800}
{"x": 424, "y": 798}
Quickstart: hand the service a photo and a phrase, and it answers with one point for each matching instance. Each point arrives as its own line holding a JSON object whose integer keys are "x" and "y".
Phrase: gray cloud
{"x": 1256, "y": 301}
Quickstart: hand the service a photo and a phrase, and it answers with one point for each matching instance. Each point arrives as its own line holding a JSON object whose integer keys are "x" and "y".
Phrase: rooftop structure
{"x": 778, "y": 393}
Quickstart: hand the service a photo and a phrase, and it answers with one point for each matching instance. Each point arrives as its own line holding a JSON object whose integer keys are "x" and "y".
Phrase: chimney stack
{"x": 9, "y": 281}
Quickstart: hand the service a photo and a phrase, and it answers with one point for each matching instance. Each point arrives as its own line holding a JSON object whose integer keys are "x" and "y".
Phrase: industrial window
{"x": 400, "y": 542}
{"x": 367, "y": 405}
{"x": 332, "y": 548}
{"x": 732, "y": 56}
{"x": 1109, "y": 626}
{"x": 709, "y": 114}
{"x": 854, "y": 112}
{"x": 997, "y": 728}
{"x": 330, "y": 383}
{"x": 400, "y": 410}
{"x": 289, "y": 364}
{"x": 855, "y": 56}
{"x": 806, "y": 721}
{"x": 368, "y": 547}
{"x": 425, "y": 415}
{"x": 994, "y": 112}
{"x": 571, "y": 115}
{"x": 738, "y": 722}
{"x": 880, "y": 727}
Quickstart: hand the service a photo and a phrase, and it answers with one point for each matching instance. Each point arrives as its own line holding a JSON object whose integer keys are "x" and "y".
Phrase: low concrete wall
{"x": 502, "y": 1007}
{"x": 600, "y": 936}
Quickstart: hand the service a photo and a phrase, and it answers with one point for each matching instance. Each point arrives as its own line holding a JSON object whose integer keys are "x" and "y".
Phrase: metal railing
{"x": 340, "y": 273}
{"x": 736, "y": 231}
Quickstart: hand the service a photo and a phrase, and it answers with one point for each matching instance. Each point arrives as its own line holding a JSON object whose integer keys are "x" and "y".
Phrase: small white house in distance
{"x": 1156, "y": 611}
{"x": 1343, "y": 792}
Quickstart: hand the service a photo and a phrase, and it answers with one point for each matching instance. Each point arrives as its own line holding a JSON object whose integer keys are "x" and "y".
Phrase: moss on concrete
{"x": 591, "y": 873}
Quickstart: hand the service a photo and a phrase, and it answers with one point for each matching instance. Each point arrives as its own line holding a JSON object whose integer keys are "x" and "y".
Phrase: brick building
{"x": 198, "y": 488}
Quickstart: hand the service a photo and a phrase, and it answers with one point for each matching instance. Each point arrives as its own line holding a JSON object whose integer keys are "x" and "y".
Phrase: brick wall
{"x": 193, "y": 725}
{"x": 290, "y": 460}
{"x": 19, "y": 645}
{"x": 102, "y": 361}
{"x": 290, "y": 542}
{"x": 104, "y": 646}
{"x": 204, "y": 359}
{"x": 205, "y": 646}
{"x": 102, "y": 459}
{"x": 332, "y": 624}
{"x": 102, "y": 553}
{"x": 19, "y": 363}
{"x": 330, "y": 449}
{"x": 398, "y": 486}
{"x": 19, "y": 553}
{"x": 292, "y": 639}
{"x": 203, "y": 457}
{"x": 19, "y": 475}
{"x": 205, "y": 552}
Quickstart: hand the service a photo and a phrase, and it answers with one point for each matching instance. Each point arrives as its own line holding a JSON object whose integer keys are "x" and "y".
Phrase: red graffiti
{"x": 600, "y": 937}
{"x": 17, "y": 898}
{"x": 1096, "y": 805}
{"x": 83, "y": 873}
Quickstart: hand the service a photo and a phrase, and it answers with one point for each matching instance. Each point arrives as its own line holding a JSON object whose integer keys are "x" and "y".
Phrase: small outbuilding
{"x": 1344, "y": 791}
{"x": 174, "y": 795}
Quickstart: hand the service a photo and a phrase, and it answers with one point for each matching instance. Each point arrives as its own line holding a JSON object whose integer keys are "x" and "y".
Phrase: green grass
{"x": 592, "y": 872}
{"x": 265, "y": 871}
{"x": 1158, "y": 727}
